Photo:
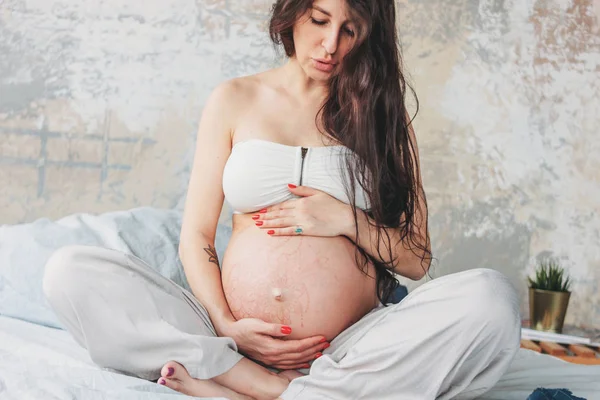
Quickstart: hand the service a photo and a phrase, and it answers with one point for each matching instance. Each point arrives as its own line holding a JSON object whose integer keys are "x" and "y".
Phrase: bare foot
{"x": 176, "y": 377}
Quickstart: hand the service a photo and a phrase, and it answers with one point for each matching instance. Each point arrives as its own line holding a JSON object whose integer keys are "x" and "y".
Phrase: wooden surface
{"x": 573, "y": 353}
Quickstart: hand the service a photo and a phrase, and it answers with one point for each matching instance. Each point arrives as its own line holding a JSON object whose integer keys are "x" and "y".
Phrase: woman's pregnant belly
{"x": 310, "y": 283}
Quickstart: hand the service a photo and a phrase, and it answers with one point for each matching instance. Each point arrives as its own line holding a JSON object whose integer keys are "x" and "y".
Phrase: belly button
{"x": 278, "y": 294}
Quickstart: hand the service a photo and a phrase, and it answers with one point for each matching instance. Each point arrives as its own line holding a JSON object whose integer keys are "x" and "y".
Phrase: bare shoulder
{"x": 229, "y": 94}
{"x": 233, "y": 100}
{"x": 241, "y": 90}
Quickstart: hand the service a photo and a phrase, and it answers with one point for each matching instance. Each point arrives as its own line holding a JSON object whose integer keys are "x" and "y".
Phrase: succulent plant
{"x": 549, "y": 276}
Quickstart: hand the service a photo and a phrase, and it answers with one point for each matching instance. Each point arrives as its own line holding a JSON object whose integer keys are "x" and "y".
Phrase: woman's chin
{"x": 317, "y": 75}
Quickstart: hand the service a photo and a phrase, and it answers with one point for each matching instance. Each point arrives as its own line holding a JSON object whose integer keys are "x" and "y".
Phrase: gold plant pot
{"x": 547, "y": 310}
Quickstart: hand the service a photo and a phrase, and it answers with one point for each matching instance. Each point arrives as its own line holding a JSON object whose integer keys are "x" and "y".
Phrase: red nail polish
{"x": 259, "y": 223}
{"x": 306, "y": 366}
{"x": 292, "y": 186}
{"x": 318, "y": 355}
{"x": 255, "y": 216}
{"x": 286, "y": 330}
{"x": 326, "y": 346}
{"x": 271, "y": 232}
{"x": 264, "y": 210}
{"x": 323, "y": 340}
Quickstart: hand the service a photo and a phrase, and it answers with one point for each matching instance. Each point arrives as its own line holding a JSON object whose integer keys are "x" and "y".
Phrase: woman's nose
{"x": 330, "y": 42}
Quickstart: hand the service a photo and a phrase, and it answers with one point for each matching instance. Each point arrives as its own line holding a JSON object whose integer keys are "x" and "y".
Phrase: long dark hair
{"x": 365, "y": 111}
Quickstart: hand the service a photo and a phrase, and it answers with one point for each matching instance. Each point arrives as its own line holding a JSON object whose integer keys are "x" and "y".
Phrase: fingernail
{"x": 271, "y": 232}
{"x": 259, "y": 223}
{"x": 264, "y": 210}
{"x": 323, "y": 340}
{"x": 171, "y": 371}
{"x": 306, "y": 366}
{"x": 286, "y": 330}
{"x": 292, "y": 186}
{"x": 326, "y": 346}
{"x": 161, "y": 381}
{"x": 318, "y": 355}
{"x": 255, "y": 216}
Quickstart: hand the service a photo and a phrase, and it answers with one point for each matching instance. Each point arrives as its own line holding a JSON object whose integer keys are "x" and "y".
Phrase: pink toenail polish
{"x": 162, "y": 381}
{"x": 171, "y": 371}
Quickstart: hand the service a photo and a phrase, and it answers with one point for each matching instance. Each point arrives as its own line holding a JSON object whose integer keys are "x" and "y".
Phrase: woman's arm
{"x": 408, "y": 264}
{"x": 204, "y": 202}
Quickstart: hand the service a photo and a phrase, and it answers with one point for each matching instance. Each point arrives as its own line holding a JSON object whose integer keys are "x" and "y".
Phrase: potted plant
{"x": 548, "y": 296}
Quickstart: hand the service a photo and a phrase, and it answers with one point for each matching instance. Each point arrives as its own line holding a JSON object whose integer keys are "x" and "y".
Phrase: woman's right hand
{"x": 262, "y": 342}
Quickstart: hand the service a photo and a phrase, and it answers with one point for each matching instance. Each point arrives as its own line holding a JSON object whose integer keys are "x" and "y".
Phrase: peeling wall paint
{"x": 99, "y": 103}
{"x": 522, "y": 106}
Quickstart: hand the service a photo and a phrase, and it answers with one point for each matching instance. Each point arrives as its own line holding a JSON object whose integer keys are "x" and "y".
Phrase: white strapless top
{"x": 258, "y": 171}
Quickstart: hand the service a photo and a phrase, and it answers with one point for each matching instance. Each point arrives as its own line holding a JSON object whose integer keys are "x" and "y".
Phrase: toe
{"x": 171, "y": 384}
{"x": 174, "y": 371}
{"x": 168, "y": 370}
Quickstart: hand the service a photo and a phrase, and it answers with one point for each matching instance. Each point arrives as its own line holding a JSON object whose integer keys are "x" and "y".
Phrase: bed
{"x": 40, "y": 360}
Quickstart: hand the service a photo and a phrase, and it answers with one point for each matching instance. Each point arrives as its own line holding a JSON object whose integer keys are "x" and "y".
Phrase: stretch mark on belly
{"x": 274, "y": 299}
{"x": 295, "y": 299}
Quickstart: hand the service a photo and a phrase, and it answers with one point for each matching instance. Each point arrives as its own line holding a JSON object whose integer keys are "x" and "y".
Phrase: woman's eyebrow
{"x": 322, "y": 10}
{"x": 328, "y": 13}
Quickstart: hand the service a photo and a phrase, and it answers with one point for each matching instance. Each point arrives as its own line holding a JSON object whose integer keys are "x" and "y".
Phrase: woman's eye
{"x": 350, "y": 32}
{"x": 317, "y": 22}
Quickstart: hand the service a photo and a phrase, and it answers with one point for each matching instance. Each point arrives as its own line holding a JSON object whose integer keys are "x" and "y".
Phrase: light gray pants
{"x": 451, "y": 338}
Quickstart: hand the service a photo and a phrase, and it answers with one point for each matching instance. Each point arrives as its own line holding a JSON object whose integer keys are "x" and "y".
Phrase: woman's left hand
{"x": 316, "y": 213}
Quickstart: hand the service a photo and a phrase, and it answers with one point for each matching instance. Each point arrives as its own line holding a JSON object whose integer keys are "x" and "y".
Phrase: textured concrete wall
{"x": 99, "y": 103}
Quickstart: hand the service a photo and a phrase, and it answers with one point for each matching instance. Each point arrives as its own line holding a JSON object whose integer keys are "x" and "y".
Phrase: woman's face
{"x": 322, "y": 38}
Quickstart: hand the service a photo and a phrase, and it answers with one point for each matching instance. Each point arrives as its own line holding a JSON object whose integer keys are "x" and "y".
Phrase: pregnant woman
{"x": 319, "y": 161}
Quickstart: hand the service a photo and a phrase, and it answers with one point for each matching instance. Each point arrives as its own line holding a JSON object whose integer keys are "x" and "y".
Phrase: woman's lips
{"x": 322, "y": 65}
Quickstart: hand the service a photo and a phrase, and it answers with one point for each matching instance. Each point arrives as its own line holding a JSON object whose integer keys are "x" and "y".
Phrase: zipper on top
{"x": 304, "y": 151}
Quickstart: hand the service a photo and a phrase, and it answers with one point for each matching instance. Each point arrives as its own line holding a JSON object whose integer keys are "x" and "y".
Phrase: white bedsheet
{"x": 530, "y": 370}
{"x": 42, "y": 363}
